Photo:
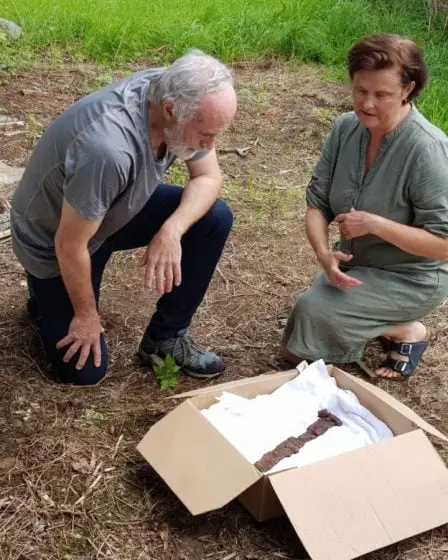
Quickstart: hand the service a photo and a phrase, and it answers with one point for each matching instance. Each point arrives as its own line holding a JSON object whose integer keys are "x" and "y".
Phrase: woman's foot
{"x": 405, "y": 333}
{"x": 289, "y": 356}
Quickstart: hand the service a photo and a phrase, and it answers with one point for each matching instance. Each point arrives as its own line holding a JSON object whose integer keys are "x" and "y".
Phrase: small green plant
{"x": 90, "y": 419}
{"x": 167, "y": 373}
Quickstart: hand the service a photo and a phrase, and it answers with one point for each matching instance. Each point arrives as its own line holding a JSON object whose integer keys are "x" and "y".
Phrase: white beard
{"x": 173, "y": 139}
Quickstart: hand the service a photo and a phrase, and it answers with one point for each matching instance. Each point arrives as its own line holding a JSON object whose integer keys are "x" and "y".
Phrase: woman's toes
{"x": 387, "y": 373}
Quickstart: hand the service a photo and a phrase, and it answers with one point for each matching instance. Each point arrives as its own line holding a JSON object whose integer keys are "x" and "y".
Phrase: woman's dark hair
{"x": 379, "y": 52}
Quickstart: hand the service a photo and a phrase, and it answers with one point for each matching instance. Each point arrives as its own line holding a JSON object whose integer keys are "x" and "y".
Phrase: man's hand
{"x": 330, "y": 263}
{"x": 356, "y": 223}
{"x": 83, "y": 334}
{"x": 162, "y": 260}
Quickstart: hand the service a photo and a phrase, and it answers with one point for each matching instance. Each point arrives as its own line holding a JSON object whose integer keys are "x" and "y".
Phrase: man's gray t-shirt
{"x": 97, "y": 155}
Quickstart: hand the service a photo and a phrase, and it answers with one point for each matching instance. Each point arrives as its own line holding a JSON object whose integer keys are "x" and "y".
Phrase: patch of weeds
{"x": 244, "y": 94}
{"x": 89, "y": 419}
{"x": 177, "y": 174}
{"x": 167, "y": 373}
{"x": 335, "y": 74}
{"x": 34, "y": 127}
{"x": 100, "y": 81}
{"x": 325, "y": 115}
{"x": 258, "y": 98}
{"x": 262, "y": 202}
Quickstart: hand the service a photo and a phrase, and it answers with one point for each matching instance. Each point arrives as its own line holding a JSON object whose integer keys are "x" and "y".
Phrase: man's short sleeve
{"x": 95, "y": 174}
{"x": 429, "y": 189}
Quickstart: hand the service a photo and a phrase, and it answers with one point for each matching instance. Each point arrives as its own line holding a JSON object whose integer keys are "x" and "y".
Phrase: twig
{"x": 226, "y": 282}
{"x": 89, "y": 489}
{"x": 117, "y": 445}
{"x": 96, "y": 549}
{"x": 242, "y": 152}
{"x": 12, "y": 123}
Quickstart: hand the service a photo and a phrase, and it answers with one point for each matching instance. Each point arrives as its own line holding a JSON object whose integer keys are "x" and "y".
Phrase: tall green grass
{"x": 113, "y": 32}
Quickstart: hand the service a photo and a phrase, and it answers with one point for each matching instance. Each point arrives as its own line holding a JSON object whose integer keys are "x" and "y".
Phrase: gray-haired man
{"x": 92, "y": 187}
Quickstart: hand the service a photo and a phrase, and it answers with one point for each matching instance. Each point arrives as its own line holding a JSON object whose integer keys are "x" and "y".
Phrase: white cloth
{"x": 256, "y": 426}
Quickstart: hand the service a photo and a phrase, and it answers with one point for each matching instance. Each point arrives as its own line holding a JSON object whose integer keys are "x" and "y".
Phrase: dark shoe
{"x": 188, "y": 355}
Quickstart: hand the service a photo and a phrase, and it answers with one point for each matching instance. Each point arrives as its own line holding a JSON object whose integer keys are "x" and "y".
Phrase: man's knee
{"x": 224, "y": 214}
{"x": 220, "y": 217}
{"x": 87, "y": 376}
{"x": 66, "y": 372}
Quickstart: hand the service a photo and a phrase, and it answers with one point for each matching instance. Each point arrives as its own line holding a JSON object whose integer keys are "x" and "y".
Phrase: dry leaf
{"x": 46, "y": 499}
{"x": 81, "y": 466}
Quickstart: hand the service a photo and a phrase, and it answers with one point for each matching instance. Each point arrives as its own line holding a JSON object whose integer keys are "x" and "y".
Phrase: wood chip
{"x": 33, "y": 92}
{"x": 229, "y": 556}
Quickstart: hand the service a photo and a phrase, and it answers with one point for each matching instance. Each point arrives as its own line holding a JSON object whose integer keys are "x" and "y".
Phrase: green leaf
{"x": 167, "y": 373}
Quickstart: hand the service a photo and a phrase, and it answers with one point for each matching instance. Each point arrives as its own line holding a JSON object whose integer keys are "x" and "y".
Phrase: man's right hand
{"x": 330, "y": 262}
{"x": 84, "y": 335}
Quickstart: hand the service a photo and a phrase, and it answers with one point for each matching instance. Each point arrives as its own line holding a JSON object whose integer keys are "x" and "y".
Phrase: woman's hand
{"x": 330, "y": 262}
{"x": 356, "y": 223}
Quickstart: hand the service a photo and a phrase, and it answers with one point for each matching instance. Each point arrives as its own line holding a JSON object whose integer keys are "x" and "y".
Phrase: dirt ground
{"x": 72, "y": 485}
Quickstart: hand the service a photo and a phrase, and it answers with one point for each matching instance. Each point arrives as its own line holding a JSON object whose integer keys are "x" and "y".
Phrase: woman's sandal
{"x": 412, "y": 350}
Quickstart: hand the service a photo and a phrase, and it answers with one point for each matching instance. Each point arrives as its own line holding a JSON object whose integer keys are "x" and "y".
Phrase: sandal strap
{"x": 407, "y": 348}
{"x": 405, "y": 368}
{"x": 414, "y": 350}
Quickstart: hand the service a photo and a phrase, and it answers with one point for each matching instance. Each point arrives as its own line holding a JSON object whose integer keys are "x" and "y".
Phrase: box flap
{"x": 390, "y": 400}
{"x": 199, "y": 465}
{"x": 281, "y": 376}
{"x": 361, "y": 501}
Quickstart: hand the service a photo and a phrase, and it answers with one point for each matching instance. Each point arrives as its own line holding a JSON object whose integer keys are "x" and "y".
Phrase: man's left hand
{"x": 162, "y": 260}
{"x": 356, "y": 223}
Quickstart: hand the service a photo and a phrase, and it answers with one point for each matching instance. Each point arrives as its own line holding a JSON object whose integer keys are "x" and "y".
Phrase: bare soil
{"x": 72, "y": 485}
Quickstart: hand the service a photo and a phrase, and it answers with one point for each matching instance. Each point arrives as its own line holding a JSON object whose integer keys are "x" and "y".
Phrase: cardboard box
{"x": 341, "y": 507}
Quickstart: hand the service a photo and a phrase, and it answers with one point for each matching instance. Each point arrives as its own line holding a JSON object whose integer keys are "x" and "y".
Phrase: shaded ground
{"x": 72, "y": 485}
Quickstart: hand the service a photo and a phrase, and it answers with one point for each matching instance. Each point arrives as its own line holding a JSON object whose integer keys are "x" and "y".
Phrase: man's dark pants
{"x": 202, "y": 246}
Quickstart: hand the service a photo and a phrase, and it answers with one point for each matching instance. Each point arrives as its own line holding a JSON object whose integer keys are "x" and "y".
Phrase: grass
{"x": 115, "y": 32}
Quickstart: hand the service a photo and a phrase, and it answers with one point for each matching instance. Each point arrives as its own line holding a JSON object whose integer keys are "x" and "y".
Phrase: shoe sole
{"x": 154, "y": 359}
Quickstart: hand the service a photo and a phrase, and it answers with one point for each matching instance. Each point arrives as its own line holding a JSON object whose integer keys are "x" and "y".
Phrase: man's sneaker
{"x": 188, "y": 355}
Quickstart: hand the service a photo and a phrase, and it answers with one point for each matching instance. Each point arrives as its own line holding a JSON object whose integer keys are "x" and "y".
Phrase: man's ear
{"x": 168, "y": 110}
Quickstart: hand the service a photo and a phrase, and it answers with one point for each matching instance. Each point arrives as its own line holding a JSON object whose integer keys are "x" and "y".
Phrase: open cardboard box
{"x": 341, "y": 507}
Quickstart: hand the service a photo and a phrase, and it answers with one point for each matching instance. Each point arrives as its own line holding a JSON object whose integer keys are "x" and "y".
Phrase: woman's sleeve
{"x": 429, "y": 189}
{"x": 318, "y": 190}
